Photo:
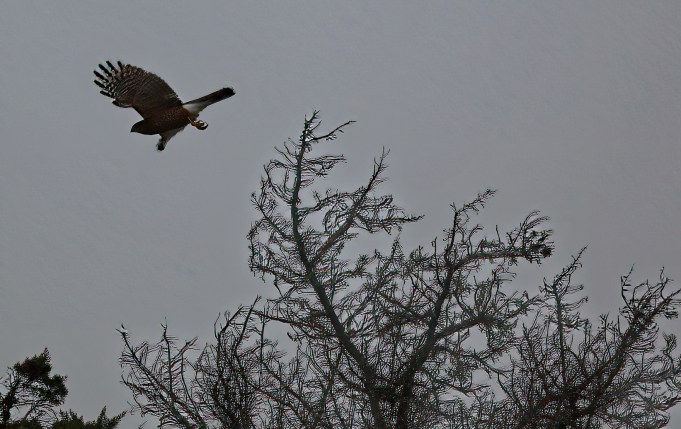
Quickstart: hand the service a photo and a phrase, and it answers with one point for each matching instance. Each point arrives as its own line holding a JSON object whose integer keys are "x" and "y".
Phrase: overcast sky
{"x": 572, "y": 108}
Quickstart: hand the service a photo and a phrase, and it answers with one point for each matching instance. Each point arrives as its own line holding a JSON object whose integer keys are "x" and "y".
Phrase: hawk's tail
{"x": 195, "y": 106}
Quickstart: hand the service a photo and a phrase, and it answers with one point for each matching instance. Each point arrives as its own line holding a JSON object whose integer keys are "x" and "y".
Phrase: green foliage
{"x": 29, "y": 388}
{"x": 71, "y": 420}
{"x": 25, "y": 424}
{"x": 32, "y": 392}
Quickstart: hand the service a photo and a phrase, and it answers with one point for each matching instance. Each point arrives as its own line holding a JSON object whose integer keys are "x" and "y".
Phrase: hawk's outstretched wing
{"x": 134, "y": 87}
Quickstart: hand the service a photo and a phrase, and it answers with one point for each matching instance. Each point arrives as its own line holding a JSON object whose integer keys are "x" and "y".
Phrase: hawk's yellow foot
{"x": 198, "y": 124}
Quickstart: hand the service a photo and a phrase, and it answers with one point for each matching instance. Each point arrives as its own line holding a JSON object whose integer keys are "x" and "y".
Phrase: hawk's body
{"x": 154, "y": 99}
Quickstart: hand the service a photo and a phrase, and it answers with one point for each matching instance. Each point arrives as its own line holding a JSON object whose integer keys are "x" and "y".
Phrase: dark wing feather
{"x": 134, "y": 87}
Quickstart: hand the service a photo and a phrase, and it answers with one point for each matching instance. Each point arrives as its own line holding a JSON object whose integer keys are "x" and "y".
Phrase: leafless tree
{"x": 568, "y": 373}
{"x": 432, "y": 337}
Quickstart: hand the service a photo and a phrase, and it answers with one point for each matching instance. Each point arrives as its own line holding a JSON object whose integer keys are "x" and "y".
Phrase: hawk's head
{"x": 143, "y": 127}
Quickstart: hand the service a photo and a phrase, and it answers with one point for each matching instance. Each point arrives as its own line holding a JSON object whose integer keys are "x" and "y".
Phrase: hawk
{"x": 154, "y": 99}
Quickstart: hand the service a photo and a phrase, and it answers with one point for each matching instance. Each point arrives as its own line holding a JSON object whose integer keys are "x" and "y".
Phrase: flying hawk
{"x": 154, "y": 99}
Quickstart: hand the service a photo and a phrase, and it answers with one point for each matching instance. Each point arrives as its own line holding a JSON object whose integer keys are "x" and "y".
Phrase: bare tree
{"x": 568, "y": 373}
{"x": 434, "y": 336}
{"x": 223, "y": 390}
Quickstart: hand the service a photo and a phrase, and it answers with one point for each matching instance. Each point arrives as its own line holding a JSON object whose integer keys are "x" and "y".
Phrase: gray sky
{"x": 572, "y": 108}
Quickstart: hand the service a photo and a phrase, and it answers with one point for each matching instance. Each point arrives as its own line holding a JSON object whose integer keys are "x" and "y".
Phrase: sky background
{"x": 572, "y": 108}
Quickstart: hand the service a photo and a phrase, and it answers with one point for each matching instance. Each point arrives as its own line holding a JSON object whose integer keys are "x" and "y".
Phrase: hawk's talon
{"x": 198, "y": 124}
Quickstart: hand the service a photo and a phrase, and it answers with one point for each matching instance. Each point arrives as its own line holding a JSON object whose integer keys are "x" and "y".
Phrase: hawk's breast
{"x": 168, "y": 119}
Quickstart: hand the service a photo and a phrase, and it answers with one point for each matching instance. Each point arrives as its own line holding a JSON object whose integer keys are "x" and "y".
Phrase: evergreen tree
{"x": 71, "y": 420}
{"x": 30, "y": 390}
{"x": 32, "y": 393}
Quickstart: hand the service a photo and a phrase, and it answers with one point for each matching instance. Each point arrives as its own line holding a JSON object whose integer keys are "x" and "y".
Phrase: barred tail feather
{"x": 195, "y": 106}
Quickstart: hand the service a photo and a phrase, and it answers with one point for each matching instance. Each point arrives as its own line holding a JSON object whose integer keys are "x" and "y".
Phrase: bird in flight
{"x": 154, "y": 99}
